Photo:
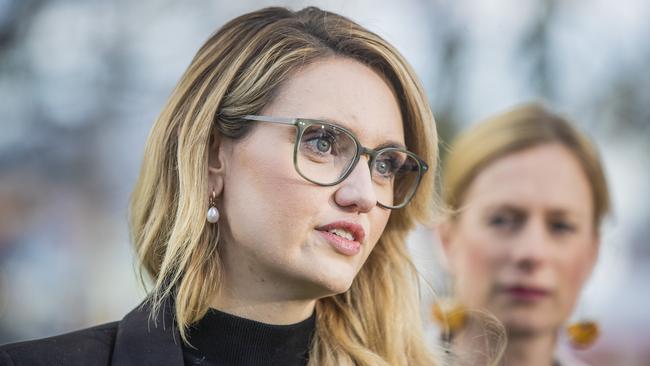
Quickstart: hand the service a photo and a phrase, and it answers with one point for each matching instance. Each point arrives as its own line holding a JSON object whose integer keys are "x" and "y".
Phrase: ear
{"x": 445, "y": 230}
{"x": 216, "y": 163}
{"x": 593, "y": 255}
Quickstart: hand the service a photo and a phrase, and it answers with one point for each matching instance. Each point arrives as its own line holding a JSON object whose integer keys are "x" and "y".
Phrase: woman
{"x": 527, "y": 194}
{"x": 272, "y": 206}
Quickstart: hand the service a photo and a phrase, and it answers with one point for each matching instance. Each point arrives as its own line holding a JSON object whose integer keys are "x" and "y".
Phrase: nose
{"x": 357, "y": 191}
{"x": 533, "y": 248}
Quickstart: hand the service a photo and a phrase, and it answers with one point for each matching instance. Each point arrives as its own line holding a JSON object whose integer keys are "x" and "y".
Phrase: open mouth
{"x": 345, "y": 229}
{"x": 342, "y": 233}
{"x": 344, "y": 236}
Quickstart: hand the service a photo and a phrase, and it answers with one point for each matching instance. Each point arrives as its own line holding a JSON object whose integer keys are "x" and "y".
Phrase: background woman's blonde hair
{"x": 520, "y": 128}
{"x": 237, "y": 72}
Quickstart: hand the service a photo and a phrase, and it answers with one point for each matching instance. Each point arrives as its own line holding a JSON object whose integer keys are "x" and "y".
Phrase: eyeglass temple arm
{"x": 272, "y": 119}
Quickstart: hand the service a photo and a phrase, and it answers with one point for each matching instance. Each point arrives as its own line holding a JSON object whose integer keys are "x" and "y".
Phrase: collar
{"x": 226, "y": 339}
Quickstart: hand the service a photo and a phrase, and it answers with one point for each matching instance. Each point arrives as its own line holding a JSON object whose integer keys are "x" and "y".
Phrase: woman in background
{"x": 527, "y": 195}
{"x": 276, "y": 191}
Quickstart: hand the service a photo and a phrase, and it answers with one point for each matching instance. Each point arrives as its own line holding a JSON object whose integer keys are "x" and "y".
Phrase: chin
{"x": 337, "y": 285}
{"x": 527, "y": 322}
{"x": 335, "y": 274}
{"x": 330, "y": 283}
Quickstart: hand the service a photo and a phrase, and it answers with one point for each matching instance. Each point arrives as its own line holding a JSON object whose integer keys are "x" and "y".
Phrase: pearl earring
{"x": 213, "y": 213}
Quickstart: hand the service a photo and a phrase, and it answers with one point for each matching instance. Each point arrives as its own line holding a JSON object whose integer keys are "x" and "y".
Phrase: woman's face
{"x": 281, "y": 235}
{"x": 525, "y": 241}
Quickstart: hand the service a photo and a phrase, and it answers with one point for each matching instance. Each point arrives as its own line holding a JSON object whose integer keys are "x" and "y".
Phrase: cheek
{"x": 263, "y": 195}
{"x": 476, "y": 263}
{"x": 572, "y": 269}
{"x": 378, "y": 218}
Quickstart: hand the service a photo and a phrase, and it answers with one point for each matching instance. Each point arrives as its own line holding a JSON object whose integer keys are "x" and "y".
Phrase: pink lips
{"x": 340, "y": 244}
{"x": 526, "y": 293}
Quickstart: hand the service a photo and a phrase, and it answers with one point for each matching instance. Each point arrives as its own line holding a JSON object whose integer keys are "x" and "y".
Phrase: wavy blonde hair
{"x": 237, "y": 72}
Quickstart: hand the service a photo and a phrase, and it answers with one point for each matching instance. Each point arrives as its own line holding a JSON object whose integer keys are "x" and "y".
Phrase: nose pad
{"x": 357, "y": 189}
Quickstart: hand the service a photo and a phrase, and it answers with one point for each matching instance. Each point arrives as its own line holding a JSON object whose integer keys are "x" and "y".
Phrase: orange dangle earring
{"x": 582, "y": 330}
{"x": 583, "y": 334}
{"x": 450, "y": 315}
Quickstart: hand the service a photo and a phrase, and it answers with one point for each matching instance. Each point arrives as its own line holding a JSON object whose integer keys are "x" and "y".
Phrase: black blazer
{"x": 133, "y": 341}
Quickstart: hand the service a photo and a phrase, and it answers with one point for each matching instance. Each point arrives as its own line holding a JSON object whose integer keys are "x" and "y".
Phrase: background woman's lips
{"x": 526, "y": 293}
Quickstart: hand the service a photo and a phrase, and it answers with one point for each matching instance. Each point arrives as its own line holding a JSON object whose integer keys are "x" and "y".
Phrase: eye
{"x": 505, "y": 220}
{"x": 386, "y": 166}
{"x": 323, "y": 145}
{"x": 319, "y": 142}
{"x": 561, "y": 227}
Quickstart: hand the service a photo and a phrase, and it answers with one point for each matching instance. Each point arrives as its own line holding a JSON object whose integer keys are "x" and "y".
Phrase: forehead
{"x": 346, "y": 91}
{"x": 545, "y": 177}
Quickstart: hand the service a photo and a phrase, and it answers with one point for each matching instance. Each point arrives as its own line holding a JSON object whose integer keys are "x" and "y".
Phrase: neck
{"x": 249, "y": 289}
{"x": 269, "y": 311}
{"x": 269, "y": 300}
{"x": 531, "y": 349}
{"x": 477, "y": 345}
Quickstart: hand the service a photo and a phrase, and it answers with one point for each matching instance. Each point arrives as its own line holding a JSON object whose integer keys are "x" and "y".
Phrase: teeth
{"x": 342, "y": 233}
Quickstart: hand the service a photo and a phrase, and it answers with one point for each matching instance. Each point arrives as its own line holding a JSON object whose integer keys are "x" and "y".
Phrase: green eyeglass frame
{"x": 302, "y": 124}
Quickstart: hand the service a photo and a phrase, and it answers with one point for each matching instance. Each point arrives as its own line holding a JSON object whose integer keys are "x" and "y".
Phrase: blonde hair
{"x": 518, "y": 129}
{"x": 237, "y": 72}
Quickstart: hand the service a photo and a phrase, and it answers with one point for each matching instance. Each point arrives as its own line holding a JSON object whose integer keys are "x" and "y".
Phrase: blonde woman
{"x": 527, "y": 194}
{"x": 276, "y": 191}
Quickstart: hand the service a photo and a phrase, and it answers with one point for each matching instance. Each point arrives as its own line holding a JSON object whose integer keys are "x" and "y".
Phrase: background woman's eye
{"x": 499, "y": 220}
{"x": 505, "y": 221}
{"x": 561, "y": 227}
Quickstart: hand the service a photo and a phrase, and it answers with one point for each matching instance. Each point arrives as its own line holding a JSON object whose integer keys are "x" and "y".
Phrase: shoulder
{"x": 91, "y": 346}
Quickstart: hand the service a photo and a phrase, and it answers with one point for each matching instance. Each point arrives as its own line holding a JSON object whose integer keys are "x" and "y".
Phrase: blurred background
{"x": 82, "y": 81}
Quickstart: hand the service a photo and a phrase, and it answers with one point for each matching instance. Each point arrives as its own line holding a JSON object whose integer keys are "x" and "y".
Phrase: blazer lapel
{"x": 140, "y": 341}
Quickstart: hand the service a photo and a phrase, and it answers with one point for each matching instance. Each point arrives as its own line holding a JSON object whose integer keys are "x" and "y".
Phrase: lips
{"x": 344, "y": 236}
{"x": 526, "y": 293}
{"x": 340, "y": 227}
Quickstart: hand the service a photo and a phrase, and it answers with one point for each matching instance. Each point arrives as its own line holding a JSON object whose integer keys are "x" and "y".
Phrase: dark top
{"x": 136, "y": 341}
{"x": 224, "y": 339}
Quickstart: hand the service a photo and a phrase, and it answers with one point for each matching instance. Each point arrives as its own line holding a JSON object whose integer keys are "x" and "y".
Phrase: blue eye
{"x": 323, "y": 145}
{"x": 386, "y": 167}
{"x": 391, "y": 163}
{"x": 320, "y": 143}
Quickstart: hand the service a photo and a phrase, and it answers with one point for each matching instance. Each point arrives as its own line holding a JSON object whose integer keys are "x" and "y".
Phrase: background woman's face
{"x": 273, "y": 220}
{"x": 525, "y": 240}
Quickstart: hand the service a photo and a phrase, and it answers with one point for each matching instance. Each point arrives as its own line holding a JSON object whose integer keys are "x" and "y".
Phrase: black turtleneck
{"x": 222, "y": 339}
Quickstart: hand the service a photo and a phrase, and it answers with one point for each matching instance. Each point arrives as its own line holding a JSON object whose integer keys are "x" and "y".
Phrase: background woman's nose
{"x": 533, "y": 246}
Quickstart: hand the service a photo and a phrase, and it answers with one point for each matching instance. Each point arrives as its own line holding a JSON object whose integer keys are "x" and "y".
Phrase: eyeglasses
{"x": 325, "y": 154}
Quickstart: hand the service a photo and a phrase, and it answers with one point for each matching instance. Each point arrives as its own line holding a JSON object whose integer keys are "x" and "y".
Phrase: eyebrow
{"x": 554, "y": 212}
{"x": 383, "y": 145}
{"x": 505, "y": 206}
